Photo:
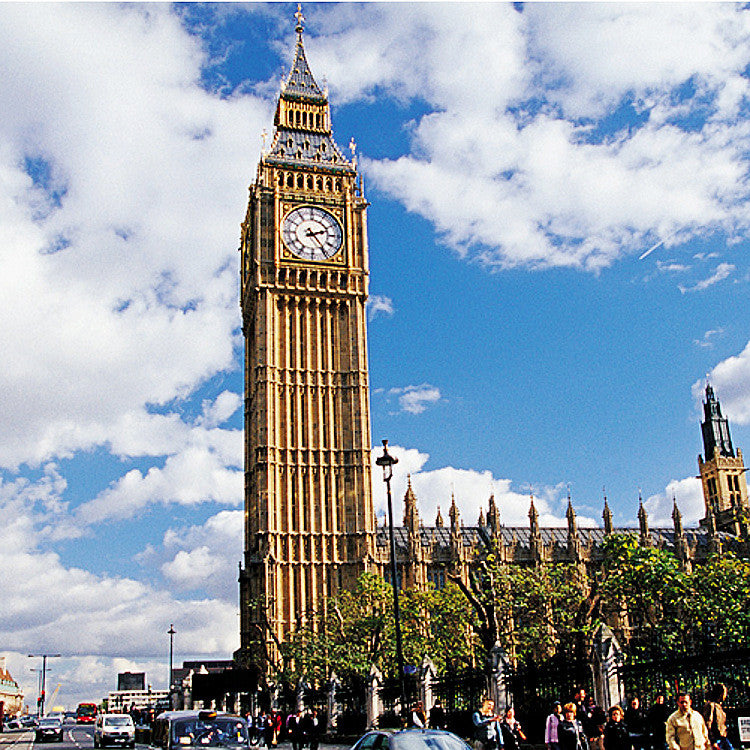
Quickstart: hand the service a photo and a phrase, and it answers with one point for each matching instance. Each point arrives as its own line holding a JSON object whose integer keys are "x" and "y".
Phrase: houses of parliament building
{"x": 310, "y": 529}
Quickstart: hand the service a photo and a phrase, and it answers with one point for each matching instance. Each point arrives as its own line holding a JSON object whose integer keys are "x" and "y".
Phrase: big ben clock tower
{"x": 309, "y": 522}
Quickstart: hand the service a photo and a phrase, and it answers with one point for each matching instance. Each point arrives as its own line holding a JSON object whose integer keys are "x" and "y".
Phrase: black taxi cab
{"x": 181, "y": 730}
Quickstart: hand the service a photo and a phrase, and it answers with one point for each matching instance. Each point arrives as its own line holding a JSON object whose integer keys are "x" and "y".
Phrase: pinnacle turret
{"x": 715, "y": 428}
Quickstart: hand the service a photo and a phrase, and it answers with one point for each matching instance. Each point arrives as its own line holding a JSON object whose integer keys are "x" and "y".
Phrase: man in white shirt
{"x": 686, "y": 729}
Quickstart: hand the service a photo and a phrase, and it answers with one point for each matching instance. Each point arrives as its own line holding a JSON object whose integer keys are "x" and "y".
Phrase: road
{"x": 79, "y": 737}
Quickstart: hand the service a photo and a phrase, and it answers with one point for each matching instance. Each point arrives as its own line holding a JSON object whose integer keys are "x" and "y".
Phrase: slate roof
{"x": 474, "y": 536}
{"x": 301, "y": 83}
{"x": 304, "y": 147}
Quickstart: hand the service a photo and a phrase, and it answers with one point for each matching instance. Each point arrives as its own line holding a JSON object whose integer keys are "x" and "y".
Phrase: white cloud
{"x": 197, "y": 474}
{"x": 207, "y": 555}
{"x": 414, "y": 399}
{"x": 689, "y": 496}
{"x": 471, "y": 489}
{"x": 731, "y": 381}
{"x": 707, "y": 341}
{"x": 221, "y": 409}
{"x": 507, "y": 162}
{"x": 378, "y": 304}
{"x": 139, "y": 306}
{"x": 722, "y": 271}
{"x": 96, "y": 618}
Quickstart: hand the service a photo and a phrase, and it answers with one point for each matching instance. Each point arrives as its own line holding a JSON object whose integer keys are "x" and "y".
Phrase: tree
{"x": 644, "y": 589}
{"x": 717, "y": 609}
{"x": 529, "y": 610}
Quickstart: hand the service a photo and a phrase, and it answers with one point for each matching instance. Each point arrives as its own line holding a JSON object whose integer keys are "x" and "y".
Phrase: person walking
{"x": 550, "y": 727}
{"x": 418, "y": 718}
{"x": 511, "y": 730}
{"x": 616, "y": 732}
{"x": 570, "y": 734}
{"x": 312, "y": 728}
{"x": 716, "y": 718}
{"x": 636, "y": 721}
{"x": 487, "y": 735}
{"x": 656, "y": 720}
{"x": 437, "y": 716}
{"x": 594, "y": 729}
{"x": 686, "y": 729}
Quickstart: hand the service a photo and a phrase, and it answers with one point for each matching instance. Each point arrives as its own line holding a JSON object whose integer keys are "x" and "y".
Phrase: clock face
{"x": 311, "y": 233}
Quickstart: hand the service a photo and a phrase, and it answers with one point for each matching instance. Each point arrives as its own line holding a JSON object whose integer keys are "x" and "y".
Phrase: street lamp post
{"x": 387, "y": 461}
{"x": 171, "y": 633}
{"x": 44, "y": 657}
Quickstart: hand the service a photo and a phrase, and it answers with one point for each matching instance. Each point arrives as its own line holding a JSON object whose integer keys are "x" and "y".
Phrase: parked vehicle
{"x": 410, "y": 739}
{"x": 178, "y": 730}
{"x": 114, "y": 729}
{"x": 49, "y": 728}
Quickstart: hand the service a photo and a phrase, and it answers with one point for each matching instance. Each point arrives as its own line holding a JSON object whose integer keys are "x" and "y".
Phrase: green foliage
{"x": 533, "y": 612}
{"x": 530, "y": 611}
{"x": 357, "y": 630}
{"x": 646, "y": 586}
{"x": 670, "y": 609}
{"x": 718, "y": 603}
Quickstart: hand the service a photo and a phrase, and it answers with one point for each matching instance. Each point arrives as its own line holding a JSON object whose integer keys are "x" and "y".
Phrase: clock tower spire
{"x": 309, "y": 521}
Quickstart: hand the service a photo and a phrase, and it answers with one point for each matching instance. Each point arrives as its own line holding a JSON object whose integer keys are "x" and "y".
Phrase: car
{"x": 12, "y": 725}
{"x": 410, "y": 739}
{"x": 114, "y": 729}
{"x": 49, "y": 728}
{"x": 179, "y": 730}
{"x": 29, "y": 721}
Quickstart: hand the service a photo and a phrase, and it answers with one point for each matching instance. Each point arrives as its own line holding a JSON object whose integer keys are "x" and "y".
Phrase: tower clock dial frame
{"x": 312, "y": 233}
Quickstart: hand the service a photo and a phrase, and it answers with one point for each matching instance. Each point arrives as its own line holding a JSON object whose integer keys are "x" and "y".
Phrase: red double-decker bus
{"x": 86, "y": 713}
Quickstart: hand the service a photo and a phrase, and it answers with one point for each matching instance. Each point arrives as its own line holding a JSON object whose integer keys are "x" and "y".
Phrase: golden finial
{"x": 300, "y": 19}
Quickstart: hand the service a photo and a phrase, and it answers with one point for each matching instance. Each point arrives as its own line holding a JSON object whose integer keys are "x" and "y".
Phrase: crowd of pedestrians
{"x": 580, "y": 724}
{"x": 303, "y": 729}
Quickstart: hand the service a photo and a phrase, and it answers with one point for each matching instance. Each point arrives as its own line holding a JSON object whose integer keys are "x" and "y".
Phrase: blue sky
{"x": 558, "y": 246}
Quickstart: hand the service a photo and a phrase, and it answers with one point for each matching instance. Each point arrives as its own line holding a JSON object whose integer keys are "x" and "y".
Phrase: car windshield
{"x": 49, "y": 722}
{"x": 217, "y": 732}
{"x": 118, "y": 721}
{"x": 427, "y": 741}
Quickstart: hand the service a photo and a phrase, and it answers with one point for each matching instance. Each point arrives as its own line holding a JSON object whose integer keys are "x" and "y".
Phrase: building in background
{"x": 11, "y": 695}
{"x": 131, "y": 681}
{"x": 142, "y": 698}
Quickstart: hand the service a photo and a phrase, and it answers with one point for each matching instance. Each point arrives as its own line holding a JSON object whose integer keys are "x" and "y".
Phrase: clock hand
{"x": 314, "y": 235}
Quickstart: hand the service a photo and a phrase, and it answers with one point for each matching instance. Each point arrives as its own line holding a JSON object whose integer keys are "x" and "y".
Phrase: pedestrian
{"x": 487, "y": 735}
{"x": 550, "y": 726}
{"x": 312, "y": 728}
{"x": 686, "y": 729}
{"x": 437, "y": 716}
{"x": 616, "y": 731}
{"x": 511, "y": 730}
{"x": 294, "y": 730}
{"x": 594, "y": 727}
{"x": 418, "y": 718}
{"x": 656, "y": 721}
{"x": 277, "y": 723}
{"x": 579, "y": 699}
{"x": 636, "y": 721}
{"x": 716, "y": 718}
{"x": 570, "y": 734}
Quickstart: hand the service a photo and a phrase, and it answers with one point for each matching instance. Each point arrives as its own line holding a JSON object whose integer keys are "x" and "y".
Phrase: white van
{"x": 114, "y": 729}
